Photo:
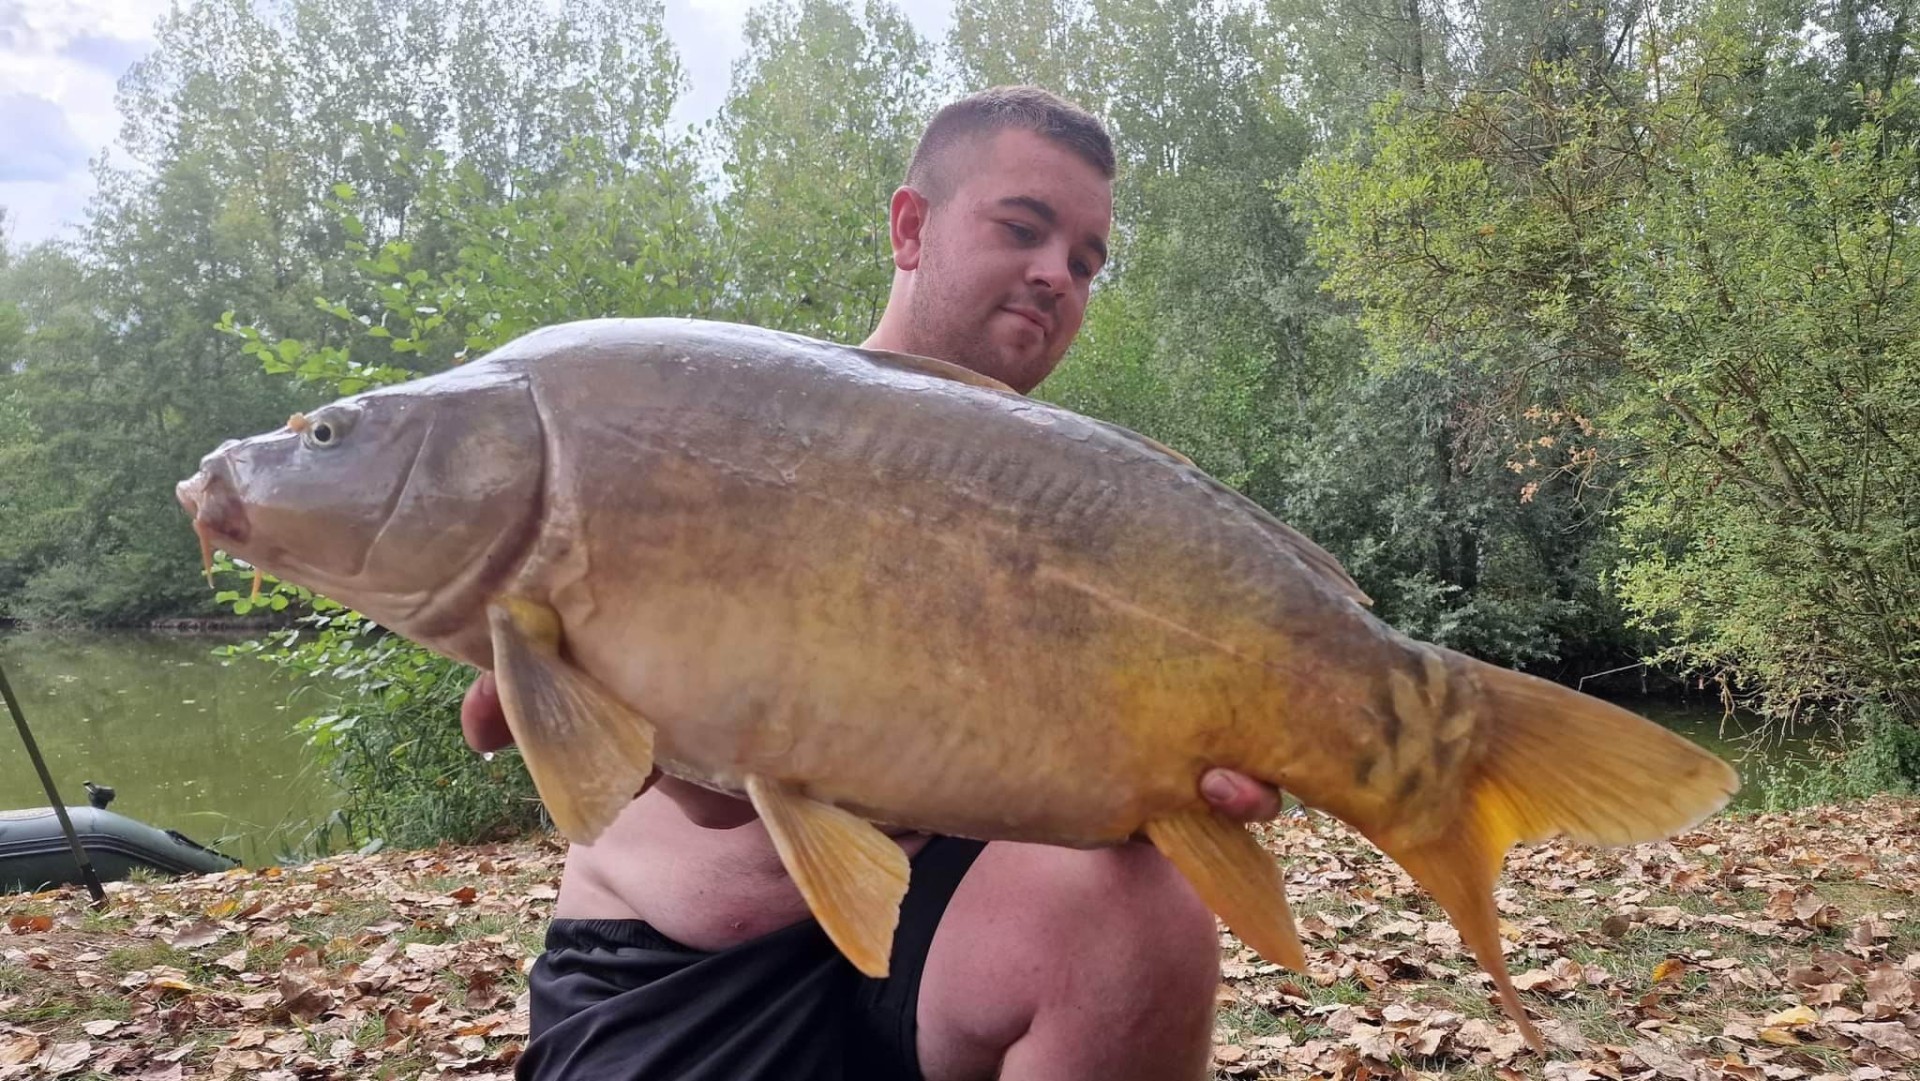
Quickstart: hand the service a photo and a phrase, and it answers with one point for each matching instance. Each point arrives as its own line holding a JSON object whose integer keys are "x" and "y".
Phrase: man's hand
{"x": 1239, "y": 796}
{"x": 482, "y": 720}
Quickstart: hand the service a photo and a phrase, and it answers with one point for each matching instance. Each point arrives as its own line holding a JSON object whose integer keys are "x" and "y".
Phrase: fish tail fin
{"x": 1555, "y": 762}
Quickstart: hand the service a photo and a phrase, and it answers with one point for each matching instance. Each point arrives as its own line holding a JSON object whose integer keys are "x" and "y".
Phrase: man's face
{"x": 1005, "y": 263}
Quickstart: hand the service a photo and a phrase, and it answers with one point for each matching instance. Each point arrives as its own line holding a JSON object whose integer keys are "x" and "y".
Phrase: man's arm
{"x": 1235, "y": 795}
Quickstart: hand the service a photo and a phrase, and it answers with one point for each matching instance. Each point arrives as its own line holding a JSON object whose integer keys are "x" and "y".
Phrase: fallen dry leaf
{"x": 195, "y": 935}
{"x": 1889, "y": 990}
{"x": 18, "y": 1048}
{"x": 1798, "y": 1015}
{"x": 1888, "y": 1034}
{"x": 301, "y": 998}
{"x": 1668, "y": 969}
{"x": 65, "y": 1058}
{"x": 1663, "y": 1061}
{"x": 1752, "y": 948}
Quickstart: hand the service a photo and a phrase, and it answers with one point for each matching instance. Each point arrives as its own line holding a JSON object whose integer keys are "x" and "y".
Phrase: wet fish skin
{"x": 839, "y": 581}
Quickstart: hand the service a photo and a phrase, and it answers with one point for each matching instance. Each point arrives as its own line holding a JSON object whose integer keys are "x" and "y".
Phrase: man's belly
{"x": 704, "y": 888}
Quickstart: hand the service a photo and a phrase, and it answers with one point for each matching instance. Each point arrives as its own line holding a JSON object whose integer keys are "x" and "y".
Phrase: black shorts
{"x": 615, "y": 1000}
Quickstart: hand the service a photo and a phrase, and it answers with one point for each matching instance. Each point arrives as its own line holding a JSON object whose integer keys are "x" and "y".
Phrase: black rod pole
{"x": 87, "y": 873}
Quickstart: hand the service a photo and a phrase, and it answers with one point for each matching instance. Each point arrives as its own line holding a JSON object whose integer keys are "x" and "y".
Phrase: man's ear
{"x": 907, "y": 220}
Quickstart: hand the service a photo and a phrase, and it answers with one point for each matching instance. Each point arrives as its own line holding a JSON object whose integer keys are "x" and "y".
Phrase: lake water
{"x": 187, "y": 740}
{"x": 1732, "y": 738}
{"x": 207, "y": 746}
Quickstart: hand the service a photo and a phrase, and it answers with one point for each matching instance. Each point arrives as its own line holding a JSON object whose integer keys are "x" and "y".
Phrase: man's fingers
{"x": 482, "y": 720}
{"x": 1239, "y": 796}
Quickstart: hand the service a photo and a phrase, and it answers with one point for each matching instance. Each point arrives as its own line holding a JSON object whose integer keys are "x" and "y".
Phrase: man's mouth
{"x": 1032, "y": 316}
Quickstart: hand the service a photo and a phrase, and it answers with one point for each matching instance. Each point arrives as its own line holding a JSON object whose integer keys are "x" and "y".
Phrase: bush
{"x": 392, "y": 740}
{"x": 1883, "y": 756}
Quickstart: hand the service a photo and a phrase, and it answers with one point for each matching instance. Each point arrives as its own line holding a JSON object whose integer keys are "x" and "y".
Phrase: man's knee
{"x": 1104, "y": 959}
{"x": 1143, "y": 919}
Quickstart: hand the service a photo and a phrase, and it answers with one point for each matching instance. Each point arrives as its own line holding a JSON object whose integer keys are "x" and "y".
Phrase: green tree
{"x": 1775, "y": 385}
{"x": 814, "y": 137}
{"x": 255, "y": 134}
{"x": 1728, "y": 324}
{"x": 1210, "y": 333}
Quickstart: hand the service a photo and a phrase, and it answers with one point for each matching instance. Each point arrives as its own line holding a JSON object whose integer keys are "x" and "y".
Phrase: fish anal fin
{"x": 588, "y": 752}
{"x": 939, "y": 368}
{"x": 852, "y": 875}
{"x": 1549, "y": 761}
{"x": 1236, "y": 878}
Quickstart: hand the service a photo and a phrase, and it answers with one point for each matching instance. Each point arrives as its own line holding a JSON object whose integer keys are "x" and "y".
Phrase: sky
{"x": 61, "y": 59}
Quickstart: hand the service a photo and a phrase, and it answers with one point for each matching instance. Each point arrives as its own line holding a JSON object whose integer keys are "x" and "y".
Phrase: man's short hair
{"x": 998, "y": 109}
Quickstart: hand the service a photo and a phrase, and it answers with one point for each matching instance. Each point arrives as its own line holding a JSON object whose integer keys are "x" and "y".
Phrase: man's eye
{"x": 1081, "y": 270}
{"x": 1020, "y": 232}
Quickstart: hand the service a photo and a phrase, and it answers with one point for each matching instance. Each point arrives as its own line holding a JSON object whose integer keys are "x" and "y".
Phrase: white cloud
{"x": 59, "y": 63}
{"x": 40, "y": 145}
{"x": 71, "y": 53}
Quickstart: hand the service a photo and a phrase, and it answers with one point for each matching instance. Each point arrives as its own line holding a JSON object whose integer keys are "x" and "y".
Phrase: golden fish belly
{"x": 1071, "y": 734}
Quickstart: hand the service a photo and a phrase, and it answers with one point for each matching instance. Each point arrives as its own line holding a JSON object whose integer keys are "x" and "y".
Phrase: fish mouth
{"x": 219, "y": 515}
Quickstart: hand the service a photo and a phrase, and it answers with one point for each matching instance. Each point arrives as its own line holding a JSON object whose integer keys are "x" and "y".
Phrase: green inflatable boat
{"x": 34, "y": 854}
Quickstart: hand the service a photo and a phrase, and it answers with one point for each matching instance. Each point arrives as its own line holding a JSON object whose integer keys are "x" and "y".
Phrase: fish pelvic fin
{"x": 1554, "y": 762}
{"x": 588, "y": 752}
{"x": 1236, "y": 878}
{"x": 852, "y": 875}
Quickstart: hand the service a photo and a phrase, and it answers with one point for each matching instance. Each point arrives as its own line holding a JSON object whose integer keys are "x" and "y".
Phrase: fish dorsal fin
{"x": 942, "y": 369}
{"x": 1146, "y": 441}
{"x": 1316, "y": 558}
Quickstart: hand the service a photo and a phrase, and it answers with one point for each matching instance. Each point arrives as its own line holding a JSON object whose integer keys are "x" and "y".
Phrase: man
{"x": 681, "y": 949}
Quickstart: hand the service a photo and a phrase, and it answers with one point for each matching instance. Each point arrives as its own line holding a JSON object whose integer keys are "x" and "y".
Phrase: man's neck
{"x": 883, "y": 337}
{"x": 891, "y": 333}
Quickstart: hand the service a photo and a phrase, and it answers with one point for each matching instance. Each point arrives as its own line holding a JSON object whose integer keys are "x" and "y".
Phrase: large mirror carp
{"x": 861, "y": 587}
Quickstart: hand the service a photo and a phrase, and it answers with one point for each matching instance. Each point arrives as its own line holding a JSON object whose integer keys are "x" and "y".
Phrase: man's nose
{"x": 1049, "y": 271}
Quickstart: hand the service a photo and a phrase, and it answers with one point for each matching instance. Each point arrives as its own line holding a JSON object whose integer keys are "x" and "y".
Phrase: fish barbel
{"x": 859, "y": 587}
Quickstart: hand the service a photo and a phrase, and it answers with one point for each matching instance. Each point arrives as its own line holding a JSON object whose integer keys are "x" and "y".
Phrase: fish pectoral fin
{"x": 1237, "y": 878}
{"x": 589, "y": 753}
{"x": 852, "y": 875}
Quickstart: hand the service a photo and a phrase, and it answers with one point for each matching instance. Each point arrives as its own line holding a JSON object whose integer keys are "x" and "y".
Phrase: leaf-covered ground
{"x": 1776, "y": 947}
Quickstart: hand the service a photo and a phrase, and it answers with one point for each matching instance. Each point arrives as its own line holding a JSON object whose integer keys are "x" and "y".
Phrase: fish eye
{"x": 319, "y": 434}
